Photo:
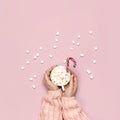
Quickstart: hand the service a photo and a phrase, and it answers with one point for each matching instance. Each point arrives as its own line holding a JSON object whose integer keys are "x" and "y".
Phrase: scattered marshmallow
{"x": 57, "y": 33}
{"x": 73, "y": 42}
{"x": 88, "y": 71}
{"x": 91, "y": 76}
{"x": 50, "y": 56}
{"x": 90, "y": 32}
{"x": 37, "y": 54}
{"x": 27, "y": 51}
{"x": 71, "y": 48}
{"x": 82, "y": 55}
{"x": 78, "y": 44}
{"x": 95, "y": 48}
{"x": 31, "y": 79}
{"x": 27, "y": 62}
{"x": 64, "y": 61}
{"x": 41, "y": 61}
{"x": 78, "y": 36}
{"x": 56, "y": 39}
{"x": 35, "y": 57}
{"x": 33, "y": 86}
{"x": 94, "y": 61}
{"x": 35, "y": 76}
{"x": 41, "y": 48}
{"x": 54, "y": 46}
{"x": 22, "y": 68}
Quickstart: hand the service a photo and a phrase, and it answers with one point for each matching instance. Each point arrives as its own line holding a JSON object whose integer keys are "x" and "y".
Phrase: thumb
{"x": 71, "y": 82}
{"x": 69, "y": 88}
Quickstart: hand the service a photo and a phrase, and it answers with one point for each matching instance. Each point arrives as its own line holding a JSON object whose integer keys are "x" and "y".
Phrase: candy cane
{"x": 73, "y": 60}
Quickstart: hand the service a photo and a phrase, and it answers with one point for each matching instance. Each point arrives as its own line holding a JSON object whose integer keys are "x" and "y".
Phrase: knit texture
{"x": 56, "y": 107}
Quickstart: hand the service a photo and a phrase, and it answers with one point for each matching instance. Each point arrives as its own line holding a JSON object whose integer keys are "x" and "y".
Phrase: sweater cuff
{"x": 70, "y": 103}
{"x": 54, "y": 94}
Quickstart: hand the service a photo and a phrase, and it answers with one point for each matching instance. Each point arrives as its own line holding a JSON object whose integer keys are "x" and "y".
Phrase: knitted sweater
{"x": 56, "y": 107}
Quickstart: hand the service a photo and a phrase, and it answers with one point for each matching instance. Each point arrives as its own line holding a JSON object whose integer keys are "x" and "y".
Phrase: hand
{"x": 71, "y": 87}
{"x": 47, "y": 81}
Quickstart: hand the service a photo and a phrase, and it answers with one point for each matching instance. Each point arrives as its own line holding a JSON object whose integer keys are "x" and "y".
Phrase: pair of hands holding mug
{"x": 70, "y": 88}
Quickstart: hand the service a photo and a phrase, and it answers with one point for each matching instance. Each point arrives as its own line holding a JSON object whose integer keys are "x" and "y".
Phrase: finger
{"x": 71, "y": 77}
{"x": 75, "y": 80}
{"x": 48, "y": 71}
{"x": 69, "y": 88}
{"x": 50, "y": 86}
{"x": 71, "y": 82}
{"x": 75, "y": 85}
{"x": 46, "y": 84}
{"x": 49, "y": 83}
{"x": 47, "y": 79}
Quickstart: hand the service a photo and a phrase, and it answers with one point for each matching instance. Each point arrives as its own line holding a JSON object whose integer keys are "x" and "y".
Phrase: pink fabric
{"x": 56, "y": 107}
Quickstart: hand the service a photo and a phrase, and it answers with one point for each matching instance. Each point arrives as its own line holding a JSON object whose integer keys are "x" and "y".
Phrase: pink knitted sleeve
{"x": 72, "y": 110}
{"x": 51, "y": 108}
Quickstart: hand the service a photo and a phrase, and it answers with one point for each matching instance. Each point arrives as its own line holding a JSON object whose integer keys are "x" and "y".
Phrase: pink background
{"x": 29, "y": 24}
